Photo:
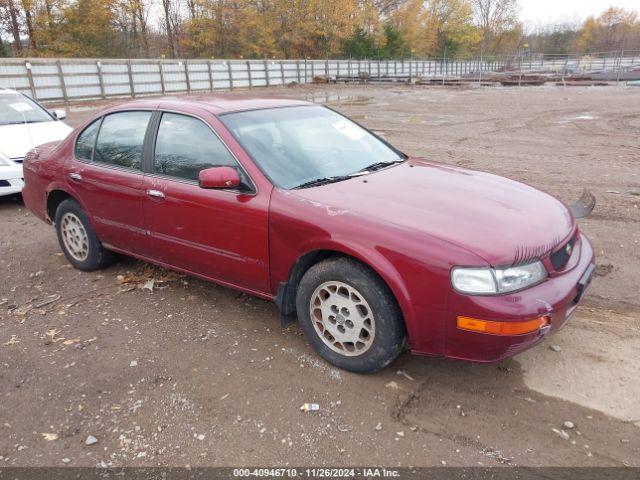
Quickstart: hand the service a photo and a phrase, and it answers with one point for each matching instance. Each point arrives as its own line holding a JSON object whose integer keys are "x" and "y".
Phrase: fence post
{"x": 210, "y": 75}
{"x": 298, "y": 70}
{"x": 230, "y": 71}
{"x": 249, "y": 74}
{"x": 186, "y": 75}
{"x": 266, "y": 74}
{"x": 130, "y": 73}
{"x": 326, "y": 68}
{"x": 313, "y": 70}
{"x": 282, "y": 73}
{"x": 620, "y": 66}
{"x": 28, "y": 66}
{"x": 161, "y": 72}
{"x": 101, "y": 80}
{"x": 63, "y": 86}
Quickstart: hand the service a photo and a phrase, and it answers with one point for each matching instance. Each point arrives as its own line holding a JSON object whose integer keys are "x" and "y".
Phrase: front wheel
{"x": 349, "y": 315}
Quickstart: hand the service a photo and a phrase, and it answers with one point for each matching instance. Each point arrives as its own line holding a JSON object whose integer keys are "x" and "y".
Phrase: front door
{"x": 220, "y": 234}
{"x": 107, "y": 175}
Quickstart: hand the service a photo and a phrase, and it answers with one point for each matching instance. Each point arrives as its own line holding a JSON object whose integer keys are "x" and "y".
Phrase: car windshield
{"x": 307, "y": 145}
{"x": 16, "y": 109}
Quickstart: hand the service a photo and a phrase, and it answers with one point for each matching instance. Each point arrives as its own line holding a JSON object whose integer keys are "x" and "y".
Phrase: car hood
{"x": 498, "y": 219}
{"x": 17, "y": 140}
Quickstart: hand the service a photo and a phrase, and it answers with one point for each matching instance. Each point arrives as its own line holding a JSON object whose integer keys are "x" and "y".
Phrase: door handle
{"x": 155, "y": 193}
{"x": 76, "y": 177}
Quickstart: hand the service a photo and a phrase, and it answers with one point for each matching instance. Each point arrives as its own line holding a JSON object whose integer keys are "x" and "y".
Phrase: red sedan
{"x": 293, "y": 202}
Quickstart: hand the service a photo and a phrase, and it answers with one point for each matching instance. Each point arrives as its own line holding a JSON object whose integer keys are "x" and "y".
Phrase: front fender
{"x": 370, "y": 257}
{"x": 415, "y": 315}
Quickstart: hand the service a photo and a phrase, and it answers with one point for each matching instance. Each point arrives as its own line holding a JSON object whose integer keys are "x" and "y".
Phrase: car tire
{"x": 366, "y": 332}
{"x": 77, "y": 239}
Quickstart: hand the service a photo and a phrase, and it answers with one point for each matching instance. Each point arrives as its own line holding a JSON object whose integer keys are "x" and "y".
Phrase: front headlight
{"x": 483, "y": 281}
{"x": 4, "y": 162}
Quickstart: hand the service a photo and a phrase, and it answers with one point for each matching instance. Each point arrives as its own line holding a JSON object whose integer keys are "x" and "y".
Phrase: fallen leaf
{"x": 404, "y": 374}
{"x": 48, "y": 300}
{"x": 52, "y": 332}
{"x": 21, "y": 310}
{"x": 50, "y": 437}
{"x": 12, "y": 341}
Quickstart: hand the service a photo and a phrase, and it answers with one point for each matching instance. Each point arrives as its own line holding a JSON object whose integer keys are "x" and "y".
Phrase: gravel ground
{"x": 190, "y": 373}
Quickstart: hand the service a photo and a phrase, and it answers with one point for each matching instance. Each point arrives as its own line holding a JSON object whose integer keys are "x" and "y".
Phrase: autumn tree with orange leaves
{"x": 293, "y": 29}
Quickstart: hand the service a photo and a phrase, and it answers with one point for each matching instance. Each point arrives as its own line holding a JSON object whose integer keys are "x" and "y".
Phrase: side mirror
{"x": 219, "y": 177}
{"x": 59, "y": 114}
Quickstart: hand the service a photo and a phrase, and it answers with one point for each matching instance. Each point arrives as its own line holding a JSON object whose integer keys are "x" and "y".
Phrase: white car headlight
{"x": 4, "y": 162}
{"x": 495, "y": 281}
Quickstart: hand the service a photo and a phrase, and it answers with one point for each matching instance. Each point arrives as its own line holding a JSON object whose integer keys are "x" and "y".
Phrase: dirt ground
{"x": 191, "y": 373}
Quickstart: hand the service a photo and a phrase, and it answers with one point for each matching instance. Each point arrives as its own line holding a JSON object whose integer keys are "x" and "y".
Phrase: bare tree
{"x": 48, "y": 7}
{"x": 170, "y": 21}
{"x": 385, "y": 7}
{"x": 192, "y": 6}
{"x": 495, "y": 17}
{"x": 14, "y": 23}
{"x": 28, "y": 6}
{"x": 140, "y": 12}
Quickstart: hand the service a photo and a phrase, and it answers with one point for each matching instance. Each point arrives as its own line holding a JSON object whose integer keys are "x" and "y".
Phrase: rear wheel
{"x": 349, "y": 315}
{"x": 77, "y": 238}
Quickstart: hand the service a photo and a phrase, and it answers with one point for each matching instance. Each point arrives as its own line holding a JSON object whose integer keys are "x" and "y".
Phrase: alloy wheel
{"x": 342, "y": 318}
{"x": 74, "y": 236}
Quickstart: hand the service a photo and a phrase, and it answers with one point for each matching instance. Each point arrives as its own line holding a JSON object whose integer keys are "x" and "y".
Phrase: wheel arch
{"x": 286, "y": 293}
{"x": 53, "y": 200}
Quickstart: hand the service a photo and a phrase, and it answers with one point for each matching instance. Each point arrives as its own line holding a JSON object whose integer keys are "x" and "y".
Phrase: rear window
{"x": 86, "y": 141}
{"x": 121, "y": 138}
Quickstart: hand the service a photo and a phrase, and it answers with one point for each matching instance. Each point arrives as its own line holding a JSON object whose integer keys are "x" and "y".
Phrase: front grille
{"x": 18, "y": 160}
{"x": 4, "y": 183}
{"x": 560, "y": 258}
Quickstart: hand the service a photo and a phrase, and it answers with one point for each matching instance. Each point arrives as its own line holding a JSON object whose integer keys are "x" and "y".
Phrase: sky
{"x": 534, "y": 12}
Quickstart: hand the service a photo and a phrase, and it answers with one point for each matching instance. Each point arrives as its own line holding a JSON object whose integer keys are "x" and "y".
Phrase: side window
{"x": 121, "y": 138}
{"x": 86, "y": 141}
{"x": 186, "y": 145}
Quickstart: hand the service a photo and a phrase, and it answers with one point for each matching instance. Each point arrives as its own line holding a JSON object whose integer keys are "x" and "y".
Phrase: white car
{"x": 24, "y": 124}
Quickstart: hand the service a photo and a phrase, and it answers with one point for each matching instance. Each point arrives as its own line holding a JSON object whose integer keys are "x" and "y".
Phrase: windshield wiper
{"x": 378, "y": 165}
{"x": 322, "y": 181}
{"x": 338, "y": 178}
{"x": 22, "y": 122}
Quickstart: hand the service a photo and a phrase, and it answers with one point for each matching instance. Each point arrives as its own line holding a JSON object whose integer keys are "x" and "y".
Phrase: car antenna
{"x": 24, "y": 117}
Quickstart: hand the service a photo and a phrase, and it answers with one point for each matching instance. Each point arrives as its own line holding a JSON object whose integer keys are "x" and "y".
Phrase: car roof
{"x": 217, "y": 105}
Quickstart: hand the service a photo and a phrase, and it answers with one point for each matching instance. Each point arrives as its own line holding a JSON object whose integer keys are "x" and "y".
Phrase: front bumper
{"x": 11, "y": 179}
{"x": 556, "y": 298}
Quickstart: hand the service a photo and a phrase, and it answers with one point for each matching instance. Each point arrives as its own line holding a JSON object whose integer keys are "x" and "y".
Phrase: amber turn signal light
{"x": 502, "y": 328}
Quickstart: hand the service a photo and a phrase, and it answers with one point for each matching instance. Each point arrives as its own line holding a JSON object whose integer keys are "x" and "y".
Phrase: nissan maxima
{"x": 370, "y": 249}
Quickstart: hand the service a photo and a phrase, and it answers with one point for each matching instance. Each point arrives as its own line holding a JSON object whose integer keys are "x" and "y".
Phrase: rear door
{"x": 107, "y": 175}
{"x": 220, "y": 234}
